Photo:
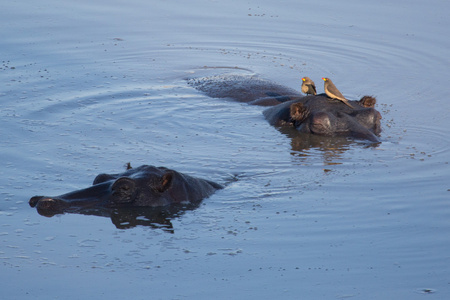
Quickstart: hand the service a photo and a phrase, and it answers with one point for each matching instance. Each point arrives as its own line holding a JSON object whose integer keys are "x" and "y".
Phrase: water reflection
{"x": 303, "y": 145}
{"x": 130, "y": 217}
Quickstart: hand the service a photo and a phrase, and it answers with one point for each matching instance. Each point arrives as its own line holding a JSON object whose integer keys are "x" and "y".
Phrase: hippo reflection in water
{"x": 318, "y": 114}
{"x": 153, "y": 192}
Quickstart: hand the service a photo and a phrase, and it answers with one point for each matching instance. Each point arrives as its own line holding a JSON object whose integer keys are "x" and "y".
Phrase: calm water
{"x": 89, "y": 86}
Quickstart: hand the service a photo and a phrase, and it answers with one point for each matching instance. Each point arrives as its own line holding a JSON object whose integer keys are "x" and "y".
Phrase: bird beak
{"x": 303, "y": 79}
{"x": 324, "y": 79}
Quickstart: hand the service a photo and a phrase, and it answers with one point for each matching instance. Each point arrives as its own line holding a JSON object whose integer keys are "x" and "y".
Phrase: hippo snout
{"x": 46, "y": 206}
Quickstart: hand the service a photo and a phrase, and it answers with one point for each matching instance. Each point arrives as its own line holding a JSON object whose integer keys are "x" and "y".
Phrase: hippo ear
{"x": 166, "y": 182}
{"x": 368, "y": 101}
{"x": 123, "y": 190}
{"x": 299, "y": 112}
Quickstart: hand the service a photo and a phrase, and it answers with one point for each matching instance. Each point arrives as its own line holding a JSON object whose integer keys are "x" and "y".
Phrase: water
{"x": 92, "y": 85}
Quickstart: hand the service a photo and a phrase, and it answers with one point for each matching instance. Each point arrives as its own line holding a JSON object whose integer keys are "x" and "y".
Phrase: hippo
{"x": 322, "y": 116}
{"x": 313, "y": 114}
{"x": 244, "y": 88}
{"x": 137, "y": 191}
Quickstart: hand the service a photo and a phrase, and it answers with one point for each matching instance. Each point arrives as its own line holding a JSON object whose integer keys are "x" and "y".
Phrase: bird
{"x": 332, "y": 91}
{"x": 308, "y": 86}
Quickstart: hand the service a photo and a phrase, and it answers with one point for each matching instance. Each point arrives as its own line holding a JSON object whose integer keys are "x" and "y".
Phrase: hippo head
{"x": 318, "y": 115}
{"x": 143, "y": 186}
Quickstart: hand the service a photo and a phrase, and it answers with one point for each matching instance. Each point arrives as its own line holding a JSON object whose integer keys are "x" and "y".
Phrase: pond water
{"x": 88, "y": 86}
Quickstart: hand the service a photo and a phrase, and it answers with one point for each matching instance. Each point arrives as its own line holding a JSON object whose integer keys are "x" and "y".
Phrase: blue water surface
{"x": 88, "y": 86}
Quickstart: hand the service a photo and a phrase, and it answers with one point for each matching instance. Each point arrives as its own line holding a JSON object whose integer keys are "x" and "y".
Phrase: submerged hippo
{"x": 322, "y": 116}
{"x": 315, "y": 114}
{"x": 145, "y": 186}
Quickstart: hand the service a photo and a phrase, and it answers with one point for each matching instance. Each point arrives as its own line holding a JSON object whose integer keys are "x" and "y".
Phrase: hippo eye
{"x": 123, "y": 189}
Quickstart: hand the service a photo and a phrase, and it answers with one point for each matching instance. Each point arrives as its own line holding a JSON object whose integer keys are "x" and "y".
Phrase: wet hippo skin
{"x": 144, "y": 186}
{"x": 317, "y": 114}
{"x": 322, "y": 116}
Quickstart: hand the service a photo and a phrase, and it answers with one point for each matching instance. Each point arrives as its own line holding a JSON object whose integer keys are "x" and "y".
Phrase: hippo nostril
{"x": 46, "y": 203}
{"x": 34, "y": 200}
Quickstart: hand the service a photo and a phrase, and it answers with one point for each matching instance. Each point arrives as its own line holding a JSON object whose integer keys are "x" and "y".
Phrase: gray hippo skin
{"x": 322, "y": 116}
{"x": 318, "y": 114}
{"x": 144, "y": 186}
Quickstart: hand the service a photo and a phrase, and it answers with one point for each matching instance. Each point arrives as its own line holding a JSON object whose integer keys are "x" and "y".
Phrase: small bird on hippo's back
{"x": 308, "y": 86}
{"x": 332, "y": 91}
